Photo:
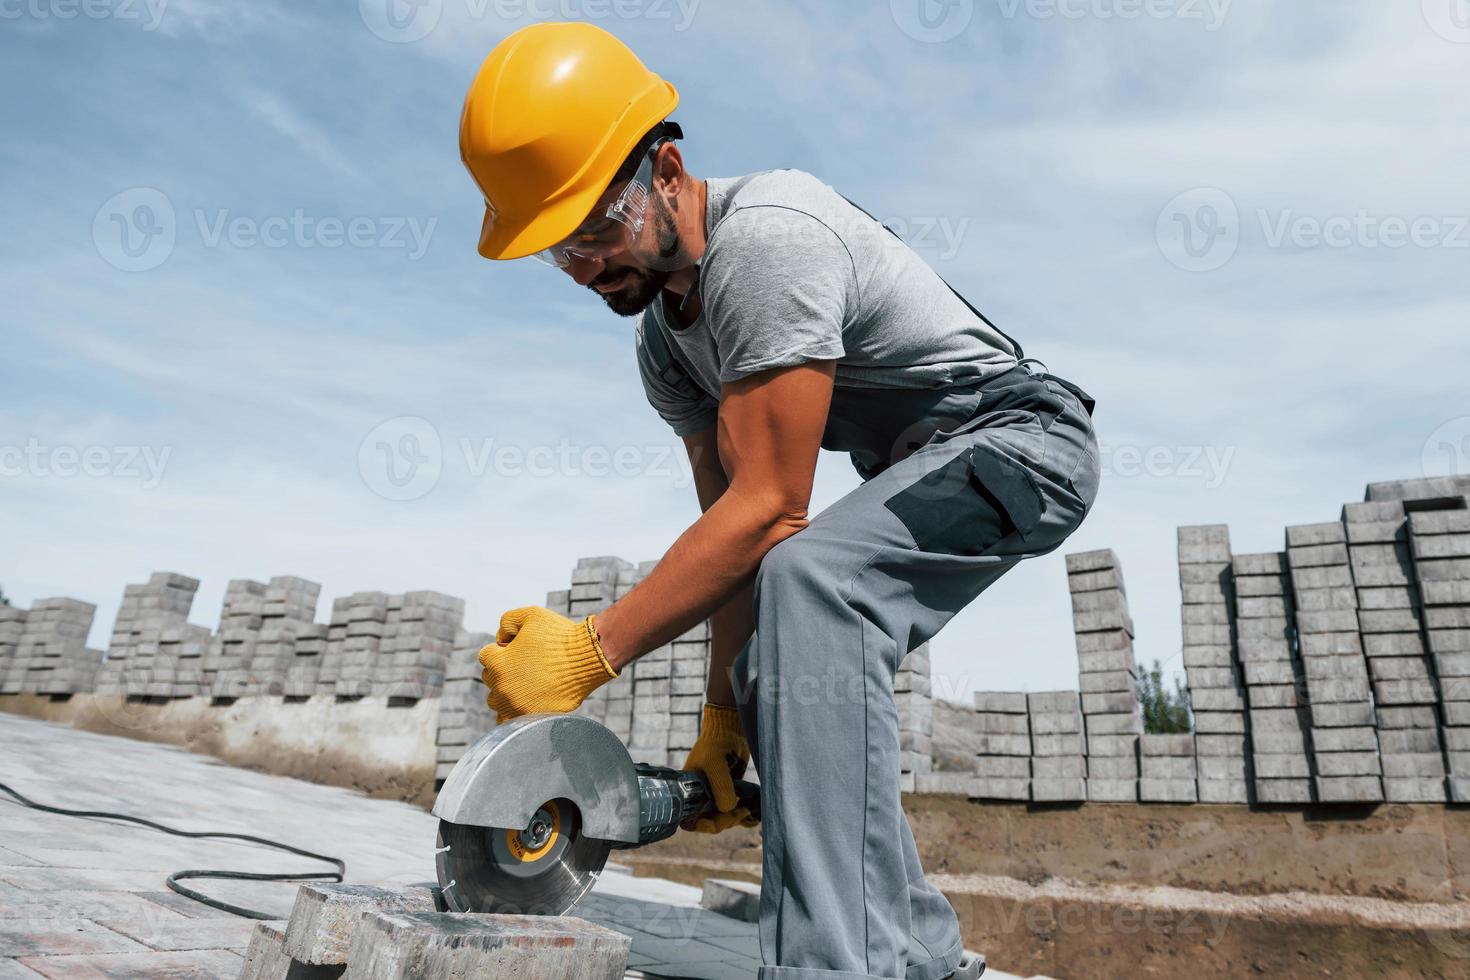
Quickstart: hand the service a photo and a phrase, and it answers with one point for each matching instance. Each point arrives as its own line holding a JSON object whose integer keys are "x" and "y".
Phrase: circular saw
{"x": 530, "y": 813}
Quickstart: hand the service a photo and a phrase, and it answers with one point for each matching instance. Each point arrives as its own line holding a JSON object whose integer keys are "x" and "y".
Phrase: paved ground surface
{"x": 85, "y": 899}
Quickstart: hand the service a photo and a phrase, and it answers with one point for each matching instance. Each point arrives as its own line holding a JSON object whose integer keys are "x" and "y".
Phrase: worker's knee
{"x": 792, "y": 564}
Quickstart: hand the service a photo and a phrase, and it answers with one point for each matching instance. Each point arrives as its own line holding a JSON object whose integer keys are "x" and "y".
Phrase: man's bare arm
{"x": 732, "y": 623}
{"x": 769, "y": 433}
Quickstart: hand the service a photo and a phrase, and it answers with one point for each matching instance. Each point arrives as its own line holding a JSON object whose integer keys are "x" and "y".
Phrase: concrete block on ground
{"x": 324, "y": 917}
{"x": 266, "y": 959}
{"x": 415, "y": 945}
{"x": 740, "y": 900}
{"x": 944, "y": 784}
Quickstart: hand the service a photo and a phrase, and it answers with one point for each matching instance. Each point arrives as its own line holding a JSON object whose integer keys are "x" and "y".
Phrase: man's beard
{"x": 644, "y": 285}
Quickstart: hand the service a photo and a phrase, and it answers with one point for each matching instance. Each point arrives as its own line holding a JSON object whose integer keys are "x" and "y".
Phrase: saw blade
{"x": 542, "y": 869}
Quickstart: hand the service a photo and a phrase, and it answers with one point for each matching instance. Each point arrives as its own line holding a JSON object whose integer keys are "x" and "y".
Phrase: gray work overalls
{"x": 960, "y": 484}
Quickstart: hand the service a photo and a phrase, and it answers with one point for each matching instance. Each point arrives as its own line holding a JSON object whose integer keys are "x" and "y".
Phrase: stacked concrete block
{"x": 325, "y": 918}
{"x": 1345, "y": 762}
{"x": 287, "y": 609}
{"x": 1167, "y": 769}
{"x": 688, "y": 681}
{"x": 354, "y": 641}
{"x": 12, "y": 626}
{"x": 913, "y": 693}
{"x": 1107, "y": 675}
{"x": 1280, "y": 722}
{"x": 1003, "y": 758}
{"x": 1390, "y": 616}
{"x": 1211, "y": 664}
{"x": 418, "y": 637}
{"x": 596, "y": 584}
{"x": 1058, "y": 747}
{"x": 1440, "y": 545}
{"x": 50, "y": 654}
{"x": 153, "y": 651}
{"x": 227, "y": 665}
{"x": 464, "y": 715}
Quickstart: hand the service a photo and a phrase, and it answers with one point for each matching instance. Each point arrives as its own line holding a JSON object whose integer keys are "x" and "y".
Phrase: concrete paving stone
{"x": 1001, "y": 702}
{"x": 1107, "y": 790}
{"x": 1388, "y": 597}
{"x": 1112, "y": 767}
{"x": 1308, "y": 535}
{"x": 1255, "y": 607}
{"x": 1066, "y": 723}
{"x": 1331, "y": 644}
{"x": 1064, "y": 743}
{"x": 1093, "y": 661}
{"x": 1348, "y": 715}
{"x": 1262, "y": 587}
{"x": 1202, "y": 677}
{"x": 1181, "y": 744}
{"x": 1398, "y": 669}
{"x": 1447, "y": 617}
{"x": 1168, "y": 791}
{"x": 59, "y": 936}
{"x": 1003, "y": 744}
{"x": 1407, "y": 692}
{"x": 1414, "y": 790}
{"x": 1283, "y": 791}
{"x": 1091, "y": 561}
{"x": 1276, "y": 696}
{"x": 1412, "y": 716}
{"x": 212, "y": 964}
{"x": 1203, "y": 573}
{"x": 1316, "y": 556}
{"x": 1059, "y": 790}
{"x": 1167, "y": 767}
{"x": 1280, "y": 743}
{"x": 1259, "y": 563}
{"x": 1110, "y": 702}
{"x": 413, "y": 945}
{"x": 1336, "y": 599}
{"x": 76, "y": 879}
{"x": 1107, "y": 600}
{"x": 1417, "y": 765}
{"x": 1359, "y": 739}
{"x": 15, "y": 970}
{"x": 1456, "y": 739}
{"x": 95, "y": 905}
{"x": 1058, "y": 767}
{"x": 998, "y": 788}
{"x": 1196, "y": 635}
{"x": 1223, "y": 791}
{"x": 1217, "y": 699}
{"x": 1346, "y": 764}
{"x": 996, "y": 724}
{"x": 1263, "y": 649}
{"x": 1348, "y": 789}
{"x": 1107, "y": 681}
{"x": 1377, "y": 532}
{"x": 179, "y": 933}
{"x": 1125, "y": 745}
{"x": 1206, "y": 614}
{"x": 1215, "y": 768}
{"x": 738, "y": 900}
{"x": 1208, "y": 658}
{"x": 1281, "y": 766}
{"x": 1219, "y": 723}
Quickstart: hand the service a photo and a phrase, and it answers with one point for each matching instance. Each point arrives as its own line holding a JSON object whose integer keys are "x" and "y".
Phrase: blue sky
{"x": 213, "y": 398}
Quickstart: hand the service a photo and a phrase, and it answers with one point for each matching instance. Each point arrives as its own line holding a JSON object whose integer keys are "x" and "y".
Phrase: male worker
{"x": 777, "y": 318}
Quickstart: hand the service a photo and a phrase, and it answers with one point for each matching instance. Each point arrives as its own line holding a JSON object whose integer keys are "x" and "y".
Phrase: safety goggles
{"x": 610, "y": 230}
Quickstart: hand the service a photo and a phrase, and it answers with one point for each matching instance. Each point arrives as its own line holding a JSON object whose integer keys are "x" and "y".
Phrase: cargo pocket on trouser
{"x": 969, "y": 504}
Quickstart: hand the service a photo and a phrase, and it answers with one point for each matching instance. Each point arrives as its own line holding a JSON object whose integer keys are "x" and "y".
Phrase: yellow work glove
{"x": 722, "y": 754}
{"x": 541, "y": 661}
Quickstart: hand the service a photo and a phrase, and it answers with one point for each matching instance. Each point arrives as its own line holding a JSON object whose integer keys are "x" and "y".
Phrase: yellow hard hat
{"x": 552, "y": 114}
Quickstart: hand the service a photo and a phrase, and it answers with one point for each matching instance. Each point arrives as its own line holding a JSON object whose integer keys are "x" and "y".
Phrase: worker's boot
{"x": 972, "y": 965}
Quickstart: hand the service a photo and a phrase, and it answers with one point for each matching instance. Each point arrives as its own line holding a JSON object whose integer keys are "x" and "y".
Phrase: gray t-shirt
{"x": 793, "y": 273}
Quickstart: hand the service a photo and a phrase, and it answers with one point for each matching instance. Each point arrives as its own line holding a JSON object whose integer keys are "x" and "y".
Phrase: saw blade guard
{"x": 505, "y": 778}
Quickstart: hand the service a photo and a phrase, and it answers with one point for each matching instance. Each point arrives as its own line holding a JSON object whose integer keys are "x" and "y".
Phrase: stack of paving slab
{"x": 1217, "y": 693}
{"x": 287, "y": 610}
{"x": 464, "y": 715}
{"x": 1058, "y": 747}
{"x": 418, "y": 636}
{"x": 1391, "y": 617}
{"x": 1345, "y": 762}
{"x": 1167, "y": 769}
{"x": 51, "y": 654}
{"x": 1107, "y": 675}
{"x": 227, "y": 665}
{"x": 153, "y": 651}
{"x": 12, "y": 626}
{"x": 1003, "y": 757}
{"x": 595, "y": 586}
{"x": 913, "y": 688}
{"x": 366, "y": 932}
{"x": 1280, "y": 722}
{"x": 1440, "y": 541}
{"x": 354, "y": 638}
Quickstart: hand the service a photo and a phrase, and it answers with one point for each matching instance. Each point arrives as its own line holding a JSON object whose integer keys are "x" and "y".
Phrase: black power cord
{"x": 173, "y": 879}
